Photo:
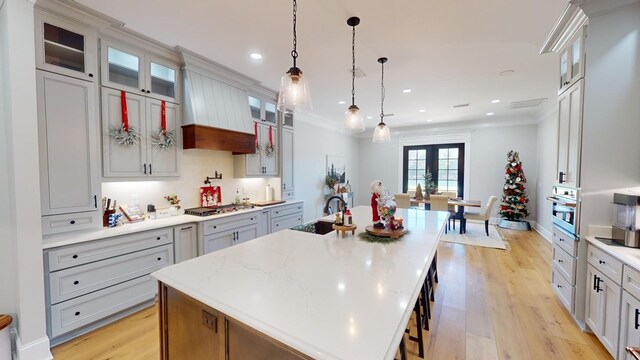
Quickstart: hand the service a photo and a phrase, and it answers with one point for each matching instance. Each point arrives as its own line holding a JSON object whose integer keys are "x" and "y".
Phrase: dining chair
{"x": 440, "y": 203}
{"x": 485, "y": 215}
{"x": 403, "y": 201}
{"x": 452, "y": 208}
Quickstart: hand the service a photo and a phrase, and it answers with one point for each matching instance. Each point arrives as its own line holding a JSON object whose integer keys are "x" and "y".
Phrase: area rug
{"x": 475, "y": 236}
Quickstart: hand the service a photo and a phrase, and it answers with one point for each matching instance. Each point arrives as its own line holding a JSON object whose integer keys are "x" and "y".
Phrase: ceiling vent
{"x": 359, "y": 73}
{"x": 526, "y": 103}
{"x": 460, "y": 105}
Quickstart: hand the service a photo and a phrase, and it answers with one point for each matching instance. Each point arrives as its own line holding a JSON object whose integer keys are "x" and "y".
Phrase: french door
{"x": 444, "y": 161}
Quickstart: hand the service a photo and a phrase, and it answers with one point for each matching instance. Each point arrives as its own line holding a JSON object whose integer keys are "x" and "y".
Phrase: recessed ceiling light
{"x": 429, "y": 120}
{"x": 406, "y": 91}
{"x": 342, "y": 102}
{"x": 256, "y": 56}
{"x": 495, "y": 101}
{"x": 369, "y": 117}
{"x": 489, "y": 113}
{"x": 506, "y": 72}
{"x": 422, "y": 110}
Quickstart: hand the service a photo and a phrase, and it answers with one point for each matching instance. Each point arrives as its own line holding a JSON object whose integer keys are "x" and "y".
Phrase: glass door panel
{"x": 254, "y": 107}
{"x": 163, "y": 80}
{"x": 288, "y": 119}
{"x": 64, "y": 48}
{"x": 124, "y": 68}
{"x": 564, "y": 68}
{"x": 575, "y": 57}
{"x": 270, "y": 112}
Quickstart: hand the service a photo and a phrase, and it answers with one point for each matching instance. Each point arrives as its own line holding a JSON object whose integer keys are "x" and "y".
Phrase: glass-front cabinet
{"x": 572, "y": 61}
{"x": 125, "y": 68}
{"x": 262, "y": 110}
{"x": 65, "y": 48}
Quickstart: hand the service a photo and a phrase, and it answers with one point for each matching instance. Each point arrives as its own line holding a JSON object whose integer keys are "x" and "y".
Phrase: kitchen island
{"x": 298, "y": 295}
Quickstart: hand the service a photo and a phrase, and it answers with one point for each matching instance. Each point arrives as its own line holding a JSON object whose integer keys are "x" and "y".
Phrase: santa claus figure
{"x": 377, "y": 190}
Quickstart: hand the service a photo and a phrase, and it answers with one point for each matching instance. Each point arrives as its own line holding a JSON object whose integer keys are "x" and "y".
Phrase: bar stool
{"x": 419, "y": 321}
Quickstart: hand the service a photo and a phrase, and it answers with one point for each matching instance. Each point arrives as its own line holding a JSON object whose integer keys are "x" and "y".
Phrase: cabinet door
{"x": 122, "y": 67}
{"x": 186, "y": 242}
{"x": 255, "y": 108}
{"x": 610, "y": 311}
{"x": 564, "y": 103}
{"x": 270, "y": 113}
{"x": 286, "y": 148}
{"x": 65, "y": 48}
{"x": 630, "y": 325}
{"x": 121, "y": 160}
{"x": 564, "y": 68}
{"x": 218, "y": 241}
{"x": 67, "y": 134}
{"x": 270, "y": 160}
{"x": 245, "y": 234}
{"x": 592, "y": 313}
{"x": 162, "y": 82}
{"x": 161, "y": 161}
{"x": 264, "y": 223}
{"x": 575, "y": 133}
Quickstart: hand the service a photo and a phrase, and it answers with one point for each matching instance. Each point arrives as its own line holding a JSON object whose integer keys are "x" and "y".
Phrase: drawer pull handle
{"x": 75, "y": 256}
{"x": 159, "y": 258}
{"x": 158, "y": 238}
{"x": 215, "y": 227}
{"x": 595, "y": 282}
{"x": 72, "y": 222}
{"x": 77, "y": 313}
{"x": 559, "y": 286}
{"x": 76, "y": 282}
{"x": 186, "y": 228}
{"x": 636, "y": 325}
{"x": 601, "y": 262}
{"x": 560, "y": 260}
{"x": 561, "y": 239}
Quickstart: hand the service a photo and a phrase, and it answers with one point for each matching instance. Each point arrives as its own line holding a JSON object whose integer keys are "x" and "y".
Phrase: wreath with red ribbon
{"x": 162, "y": 138}
{"x": 270, "y": 150}
{"x": 124, "y": 134}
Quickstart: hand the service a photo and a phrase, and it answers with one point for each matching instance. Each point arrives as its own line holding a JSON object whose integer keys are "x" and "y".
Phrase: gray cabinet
{"x": 630, "y": 325}
{"x": 65, "y": 48}
{"x": 572, "y": 60}
{"x": 146, "y": 158}
{"x": 228, "y": 230}
{"x": 264, "y": 222}
{"x": 570, "y": 134}
{"x": 186, "y": 242}
{"x": 69, "y": 175}
{"x": 286, "y": 216}
{"x": 133, "y": 70}
{"x": 603, "y": 297}
{"x": 264, "y": 163}
{"x": 92, "y": 283}
{"x": 263, "y": 110}
{"x": 287, "y": 161}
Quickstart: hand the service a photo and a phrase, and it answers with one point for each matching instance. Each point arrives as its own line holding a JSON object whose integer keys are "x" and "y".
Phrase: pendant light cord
{"x": 353, "y": 67}
{"x": 294, "y": 52}
{"x": 382, "y": 95}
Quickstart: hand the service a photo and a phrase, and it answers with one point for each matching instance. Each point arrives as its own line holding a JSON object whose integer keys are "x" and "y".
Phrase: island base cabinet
{"x": 630, "y": 327}
{"x": 192, "y": 330}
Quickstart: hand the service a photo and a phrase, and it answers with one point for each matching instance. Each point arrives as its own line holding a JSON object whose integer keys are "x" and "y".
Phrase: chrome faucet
{"x": 339, "y": 197}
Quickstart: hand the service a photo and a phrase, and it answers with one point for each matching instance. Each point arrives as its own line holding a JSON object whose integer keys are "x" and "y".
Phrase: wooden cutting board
{"x": 267, "y": 203}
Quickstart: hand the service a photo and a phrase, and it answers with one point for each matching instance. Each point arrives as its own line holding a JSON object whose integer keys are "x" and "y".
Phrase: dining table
{"x": 459, "y": 202}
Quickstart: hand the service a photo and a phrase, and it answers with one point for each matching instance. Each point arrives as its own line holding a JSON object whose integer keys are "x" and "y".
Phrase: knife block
{"x": 105, "y": 217}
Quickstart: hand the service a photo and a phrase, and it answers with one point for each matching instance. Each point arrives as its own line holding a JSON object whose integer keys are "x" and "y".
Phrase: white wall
{"x": 485, "y": 157}
{"x": 314, "y": 140}
{"x": 611, "y": 122}
{"x": 547, "y": 145}
{"x": 21, "y": 176}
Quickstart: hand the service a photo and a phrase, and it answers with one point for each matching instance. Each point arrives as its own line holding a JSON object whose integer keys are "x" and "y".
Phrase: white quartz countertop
{"x": 70, "y": 238}
{"x": 628, "y": 255}
{"x": 326, "y": 296}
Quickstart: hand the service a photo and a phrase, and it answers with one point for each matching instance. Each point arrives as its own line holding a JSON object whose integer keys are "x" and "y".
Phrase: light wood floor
{"x": 490, "y": 304}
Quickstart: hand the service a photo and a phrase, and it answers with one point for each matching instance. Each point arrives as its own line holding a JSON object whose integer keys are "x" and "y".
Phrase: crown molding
{"x": 570, "y": 21}
{"x": 600, "y": 7}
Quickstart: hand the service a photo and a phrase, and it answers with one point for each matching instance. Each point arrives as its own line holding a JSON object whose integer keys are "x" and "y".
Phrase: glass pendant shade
{"x": 294, "y": 92}
{"x": 381, "y": 134}
{"x": 353, "y": 121}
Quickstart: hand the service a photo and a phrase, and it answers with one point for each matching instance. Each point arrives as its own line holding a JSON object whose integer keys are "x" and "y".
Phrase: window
{"x": 444, "y": 161}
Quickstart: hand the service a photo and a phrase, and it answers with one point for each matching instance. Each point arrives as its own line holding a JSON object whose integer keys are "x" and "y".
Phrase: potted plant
{"x": 429, "y": 185}
{"x": 330, "y": 182}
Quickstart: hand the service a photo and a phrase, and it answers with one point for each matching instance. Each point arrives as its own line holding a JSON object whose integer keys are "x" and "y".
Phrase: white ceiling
{"x": 447, "y": 52}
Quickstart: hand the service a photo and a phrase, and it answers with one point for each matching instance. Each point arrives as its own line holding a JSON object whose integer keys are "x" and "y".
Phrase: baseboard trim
{"x": 546, "y": 234}
{"x": 35, "y": 350}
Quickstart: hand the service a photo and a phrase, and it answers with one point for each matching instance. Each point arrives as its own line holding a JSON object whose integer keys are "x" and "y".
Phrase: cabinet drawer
{"x": 563, "y": 288}
{"x": 84, "y": 253}
{"x": 605, "y": 263}
{"x": 56, "y": 224}
{"x": 564, "y": 263}
{"x": 631, "y": 281}
{"x": 230, "y": 222}
{"x": 565, "y": 241}
{"x": 84, "y": 310}
{"x": 286, "y": 222}
{"x": 73, "y": 282}
{"x": 288, "y": 194}
{"x": 286, "y": 210}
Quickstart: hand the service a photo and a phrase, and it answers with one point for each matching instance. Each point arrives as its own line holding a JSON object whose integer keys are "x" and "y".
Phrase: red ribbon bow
{"x": 125, "y": 114}
{"x": 163, "y": 117}
{"x": 270, "y": 137}
{"x": 255, "y": 131}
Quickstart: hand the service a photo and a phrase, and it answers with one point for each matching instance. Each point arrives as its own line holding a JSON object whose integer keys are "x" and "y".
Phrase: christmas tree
{"x": 514, "y": 201}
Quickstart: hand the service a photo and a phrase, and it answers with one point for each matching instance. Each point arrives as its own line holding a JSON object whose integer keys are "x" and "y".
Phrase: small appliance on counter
{"x": 626, "y": 219}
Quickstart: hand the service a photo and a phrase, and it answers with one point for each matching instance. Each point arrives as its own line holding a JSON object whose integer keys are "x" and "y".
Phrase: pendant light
{"x": 353, "y": 121}
{"x": 381, "y": 133}
{"x": 294, "y": 93}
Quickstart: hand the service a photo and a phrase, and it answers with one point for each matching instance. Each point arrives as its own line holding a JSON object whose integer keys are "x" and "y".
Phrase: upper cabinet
{"x": 133, "y": 70}
{"x": 65, "y": 48}
{"x": 263, "y": 110}
{"x": 572, "y": 61}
